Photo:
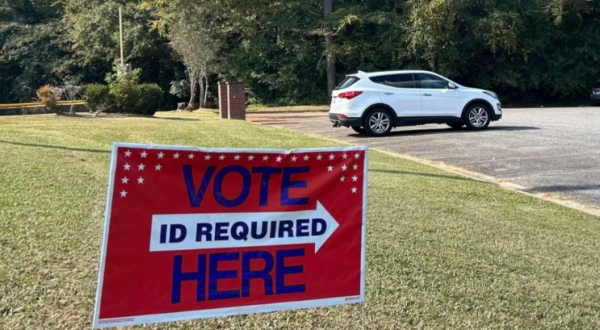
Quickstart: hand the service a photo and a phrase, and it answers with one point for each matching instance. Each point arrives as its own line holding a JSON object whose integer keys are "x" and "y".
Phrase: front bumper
{"x": 595, "y": 97}
{"x": 338, "y": 120}
{"x": 497, "y": 116}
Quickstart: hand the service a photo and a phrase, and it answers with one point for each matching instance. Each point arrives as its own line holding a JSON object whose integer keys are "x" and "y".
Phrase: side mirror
{"x": 452, "y": 86}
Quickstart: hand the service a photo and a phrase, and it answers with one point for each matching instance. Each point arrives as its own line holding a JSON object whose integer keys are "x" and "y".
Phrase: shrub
{"x": 151, "y": 98}
{"x": 97, "y": 97}
{"x": 48, "y": 96}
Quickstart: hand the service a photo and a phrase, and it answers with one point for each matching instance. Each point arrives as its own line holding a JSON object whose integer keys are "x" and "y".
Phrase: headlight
{"x": 492, "y": 94}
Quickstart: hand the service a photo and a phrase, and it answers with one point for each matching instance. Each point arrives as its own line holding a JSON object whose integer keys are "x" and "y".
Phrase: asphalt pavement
{"x": 545, "y": 150}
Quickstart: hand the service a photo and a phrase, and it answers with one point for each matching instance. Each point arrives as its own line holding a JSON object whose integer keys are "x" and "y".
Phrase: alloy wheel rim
{"x": 478, "y": 117}
{"x": 379, "y": 122}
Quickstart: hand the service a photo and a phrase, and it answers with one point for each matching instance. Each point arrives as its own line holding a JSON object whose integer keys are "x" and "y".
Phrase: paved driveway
{"x": 554, "y": 150}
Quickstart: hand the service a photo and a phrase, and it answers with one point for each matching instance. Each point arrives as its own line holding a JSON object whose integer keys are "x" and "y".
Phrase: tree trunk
{"x": 193, "y": 104}
{"x": 201, "y": 88}
{"x": 205, "y": 89}
{"x": 331, "y": 82}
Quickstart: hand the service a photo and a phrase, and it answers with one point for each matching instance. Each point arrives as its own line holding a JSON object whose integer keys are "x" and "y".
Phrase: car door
{"x": 399, "y": 92}
{"x": 437, "y": 99}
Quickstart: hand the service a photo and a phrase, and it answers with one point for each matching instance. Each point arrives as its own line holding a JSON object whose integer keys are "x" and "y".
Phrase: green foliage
{"x": 97, "y": 96}
{"x": 151, "y": 98}
{"x": 538, "y": 51}
{"x": 132, "y": 97}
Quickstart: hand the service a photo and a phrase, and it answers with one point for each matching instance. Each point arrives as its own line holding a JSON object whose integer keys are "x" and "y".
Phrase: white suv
{"x": 374, "y": 103}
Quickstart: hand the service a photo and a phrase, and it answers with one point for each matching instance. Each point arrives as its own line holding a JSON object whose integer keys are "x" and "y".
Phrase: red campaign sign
{"x": 194, "y": 233}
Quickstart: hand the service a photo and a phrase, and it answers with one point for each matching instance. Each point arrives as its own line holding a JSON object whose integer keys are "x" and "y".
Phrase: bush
{"x": 48, "y": 96}
{"x": 151, "y": 98}
{"x": 132, "y": 97}
{"x": 97, "y": 97}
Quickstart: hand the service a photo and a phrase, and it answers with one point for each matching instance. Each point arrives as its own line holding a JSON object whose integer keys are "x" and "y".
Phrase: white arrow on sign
{"x": 174, "y": 232}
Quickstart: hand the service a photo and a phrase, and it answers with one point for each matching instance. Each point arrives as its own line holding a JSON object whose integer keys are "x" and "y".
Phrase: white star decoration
{"x": 237, "y": 157}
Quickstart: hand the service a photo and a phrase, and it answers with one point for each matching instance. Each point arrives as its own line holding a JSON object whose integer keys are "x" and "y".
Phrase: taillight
{"x": 349, "y": 95}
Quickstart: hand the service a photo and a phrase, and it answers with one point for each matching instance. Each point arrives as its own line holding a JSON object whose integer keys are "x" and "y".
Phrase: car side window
{"x": 396, "y": 80}
{"x": 430, "y": 81}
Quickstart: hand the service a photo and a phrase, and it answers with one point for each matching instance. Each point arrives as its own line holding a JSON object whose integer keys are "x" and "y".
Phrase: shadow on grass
{"x": 400, "y": 132}
{"x": 439, "y": 176}
{"x": 54, "y": 147}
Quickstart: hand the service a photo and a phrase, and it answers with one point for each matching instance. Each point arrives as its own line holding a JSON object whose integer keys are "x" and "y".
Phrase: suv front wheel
{"x": 478, "y": 117}
{"x": 378, "y": 122}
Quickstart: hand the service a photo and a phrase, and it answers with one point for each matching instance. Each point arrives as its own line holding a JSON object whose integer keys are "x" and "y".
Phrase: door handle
{"x": 389, "y": 93}
{"x": 426, "y": 94}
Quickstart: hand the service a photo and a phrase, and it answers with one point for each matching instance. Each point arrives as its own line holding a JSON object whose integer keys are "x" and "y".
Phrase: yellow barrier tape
{"x": 37, "y": 104}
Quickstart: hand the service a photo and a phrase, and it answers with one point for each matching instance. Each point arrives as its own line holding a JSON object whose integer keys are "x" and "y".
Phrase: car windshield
{"x": 349, "y": 81}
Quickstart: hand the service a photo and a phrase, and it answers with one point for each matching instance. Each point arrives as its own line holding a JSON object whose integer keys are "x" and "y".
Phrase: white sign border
{"x": 229, "y": 311}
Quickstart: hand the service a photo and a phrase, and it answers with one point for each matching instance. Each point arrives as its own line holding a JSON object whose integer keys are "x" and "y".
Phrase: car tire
{"x": 477, "y": 117}
{"x": 359, "y": 129}
{"x": 378, "y": 122}
{"x": 456, "y": 125}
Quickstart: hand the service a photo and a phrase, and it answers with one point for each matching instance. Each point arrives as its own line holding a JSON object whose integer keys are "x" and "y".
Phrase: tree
{"x": 331, "y": 81}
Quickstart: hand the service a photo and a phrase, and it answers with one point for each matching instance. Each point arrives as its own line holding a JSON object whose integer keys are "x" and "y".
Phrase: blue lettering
{"x": 282, "y": 271}
{"x": 177, "y": 233}
{"x": 221, "y": 231}
{"x": 248, "y": 275}
{"x": 264, "y": 181}
{"x": 215, "y": 275}
{"x": 287, "y": 184}
{"x": 218, "y": 186}
{"x": 203, "y": 229}
{"x": 179, "y": 276}
{"x": 196, "y": 197}
{"x": 319, "y": 227}
{"x": 286, "y": 227}
{"x": 302, "y": 228}
{"x": 254, "y": 230}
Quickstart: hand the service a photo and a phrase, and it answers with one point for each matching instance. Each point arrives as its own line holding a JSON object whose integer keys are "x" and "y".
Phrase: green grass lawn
{"x": 444, "y": 252}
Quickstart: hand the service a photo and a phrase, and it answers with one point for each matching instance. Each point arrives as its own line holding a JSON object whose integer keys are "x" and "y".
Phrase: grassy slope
{"x": 443, "y": 252}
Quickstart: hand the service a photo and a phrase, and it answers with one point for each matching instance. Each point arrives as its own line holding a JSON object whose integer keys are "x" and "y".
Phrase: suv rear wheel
{"x": 378, "y": 122}
{"x": 478, "y": 117}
